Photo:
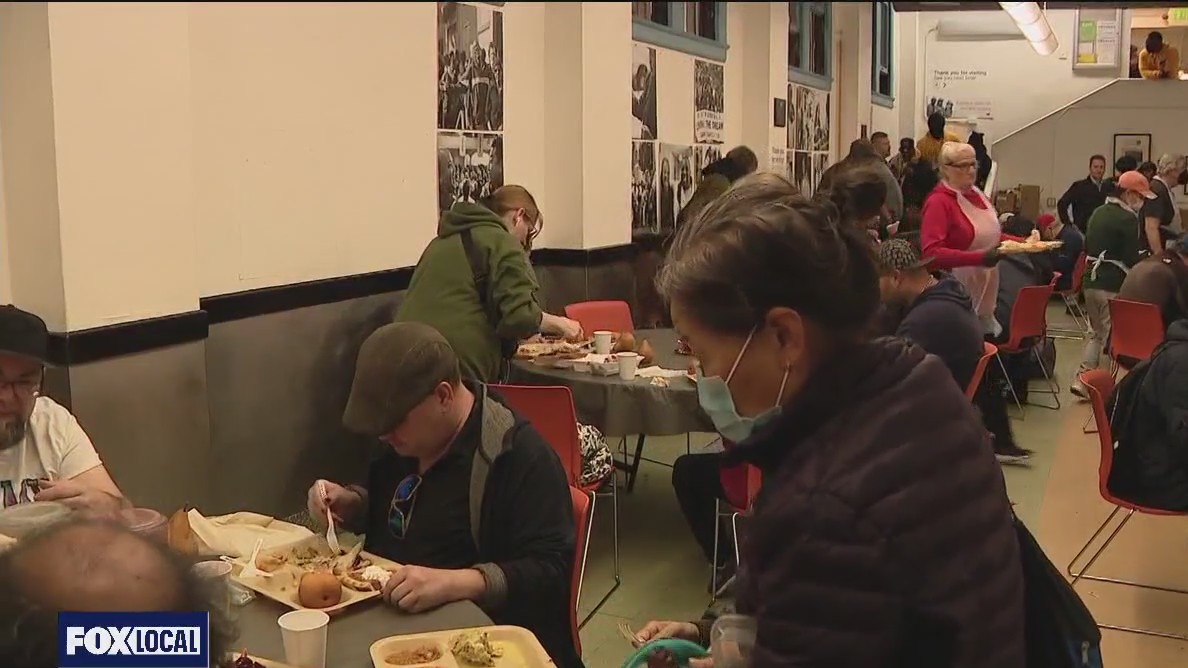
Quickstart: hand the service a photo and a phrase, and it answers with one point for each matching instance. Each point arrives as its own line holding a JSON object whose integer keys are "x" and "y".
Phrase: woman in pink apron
{"x": 960, "y": 232}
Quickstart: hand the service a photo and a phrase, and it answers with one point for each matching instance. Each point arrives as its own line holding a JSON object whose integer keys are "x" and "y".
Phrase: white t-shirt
{"x": 55, "y": 447}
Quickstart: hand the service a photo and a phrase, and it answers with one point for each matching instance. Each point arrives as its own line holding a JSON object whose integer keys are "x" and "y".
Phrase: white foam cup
{"x": 602, "y": 342}
{"x": 628, "y": 363}
{"x": 304, "y": 635}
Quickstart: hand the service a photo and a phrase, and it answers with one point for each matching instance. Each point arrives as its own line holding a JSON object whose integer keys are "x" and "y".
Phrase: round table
{"x": 620, "y": 408}
{"x": 351, "y": 632}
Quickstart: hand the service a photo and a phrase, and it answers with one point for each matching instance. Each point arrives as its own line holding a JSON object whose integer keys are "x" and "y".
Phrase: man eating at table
{"x": 44, "y": 454}
{"x": 470, "y": 499}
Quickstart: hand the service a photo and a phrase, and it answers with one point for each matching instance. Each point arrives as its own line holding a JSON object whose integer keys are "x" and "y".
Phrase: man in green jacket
{"x": 475, "y": 285}
{"x": 1112, "y": 244}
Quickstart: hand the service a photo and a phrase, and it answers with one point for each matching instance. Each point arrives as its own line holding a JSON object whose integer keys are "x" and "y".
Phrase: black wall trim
{"x": 251, "y": 303}
{"x": 564, "y": 257}
{"x": 90, "y": 345}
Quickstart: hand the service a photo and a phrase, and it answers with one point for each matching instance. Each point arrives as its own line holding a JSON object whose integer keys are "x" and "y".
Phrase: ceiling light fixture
{"x": 1034, "y": 25}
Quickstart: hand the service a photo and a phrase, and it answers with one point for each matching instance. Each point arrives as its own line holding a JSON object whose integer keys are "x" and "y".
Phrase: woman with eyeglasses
{"x": 960, "y": 232}
{"x": 474, "y": 282}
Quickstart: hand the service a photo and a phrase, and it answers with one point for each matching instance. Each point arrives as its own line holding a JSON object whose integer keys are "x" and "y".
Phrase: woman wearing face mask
{"x": 882, "y": 535}
{"x": 475, "y": 285}
{"x": 959, "y": 230}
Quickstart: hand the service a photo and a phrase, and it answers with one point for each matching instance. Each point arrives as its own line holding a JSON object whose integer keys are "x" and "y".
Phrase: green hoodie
{"x": 443, "y": 293}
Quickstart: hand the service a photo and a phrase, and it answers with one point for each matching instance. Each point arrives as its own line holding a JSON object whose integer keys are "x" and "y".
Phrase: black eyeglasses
{"x": 403, "y": 501}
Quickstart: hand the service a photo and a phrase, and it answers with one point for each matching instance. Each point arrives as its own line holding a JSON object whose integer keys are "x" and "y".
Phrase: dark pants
{"x": 991, "y": 400}
{"x": 698, "y": 488}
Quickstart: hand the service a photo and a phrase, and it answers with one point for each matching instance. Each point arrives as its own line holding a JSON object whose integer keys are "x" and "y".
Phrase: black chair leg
{"x": 633, "y": 467}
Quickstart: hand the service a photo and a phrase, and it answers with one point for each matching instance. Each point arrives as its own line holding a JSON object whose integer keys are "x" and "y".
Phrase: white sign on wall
{"x": 958, "y": 93}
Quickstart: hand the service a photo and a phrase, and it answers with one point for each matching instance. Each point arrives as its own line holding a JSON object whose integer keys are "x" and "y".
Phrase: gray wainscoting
{"x": 248, "y": 418}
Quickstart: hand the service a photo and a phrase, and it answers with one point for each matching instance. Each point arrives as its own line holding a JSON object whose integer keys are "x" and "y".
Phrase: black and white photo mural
{"x": 643, "y": 92}
{"x": 709, "y": 102}
{"x": 677, "y": 182}
{"x": 808, "y": 136}
{"x": 643, "y": 186}
{"x": 469, "y": 101}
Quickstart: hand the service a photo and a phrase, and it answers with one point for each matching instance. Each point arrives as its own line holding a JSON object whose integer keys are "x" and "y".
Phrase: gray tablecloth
{"x": 624, "y": 408}
{"x": 351, "y": 631}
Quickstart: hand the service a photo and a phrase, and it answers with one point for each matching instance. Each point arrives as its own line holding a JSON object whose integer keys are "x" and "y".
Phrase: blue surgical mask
{"x": 713, "y": 394}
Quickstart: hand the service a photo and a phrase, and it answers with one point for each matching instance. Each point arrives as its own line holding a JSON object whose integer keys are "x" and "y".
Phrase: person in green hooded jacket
{"x": 475, "y": 285}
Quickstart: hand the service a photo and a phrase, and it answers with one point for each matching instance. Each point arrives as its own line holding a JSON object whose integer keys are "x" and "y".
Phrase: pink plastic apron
{"x": 980, "y": 282}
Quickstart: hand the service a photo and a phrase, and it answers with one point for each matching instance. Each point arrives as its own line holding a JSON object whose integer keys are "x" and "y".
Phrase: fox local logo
{"x": 133, "y": 640}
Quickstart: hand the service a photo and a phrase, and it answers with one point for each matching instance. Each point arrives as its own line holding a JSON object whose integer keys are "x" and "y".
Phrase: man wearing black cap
{"x": 471, "y": 499}
{"x": 44, "y": 453}
{"x": 937, "y": 314}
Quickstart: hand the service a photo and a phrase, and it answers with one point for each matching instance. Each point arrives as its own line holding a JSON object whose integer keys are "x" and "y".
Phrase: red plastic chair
{"x": 608, "y": 316}
{"x": 1029, "y": 320}
{"x": 1072, "y": 302}
{"x": 1100, "y": 385}
{"x": 754, "y": 483}
{"x": 1136, "y": 330}
{"x": 989, "y": 351}
{"x": 583, "y": 509}
{"x": 550, "y": 410}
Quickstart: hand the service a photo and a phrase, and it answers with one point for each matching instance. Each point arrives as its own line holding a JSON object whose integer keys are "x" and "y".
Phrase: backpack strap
{"x": 495, "y": 436}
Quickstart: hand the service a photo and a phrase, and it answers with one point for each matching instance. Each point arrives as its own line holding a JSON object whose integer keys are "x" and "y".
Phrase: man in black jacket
{"x": 451, "y": 441}
{"x": 1084, "y": 196}
{"x": 935, "y": 313}
{"x": 1150, "y": 423}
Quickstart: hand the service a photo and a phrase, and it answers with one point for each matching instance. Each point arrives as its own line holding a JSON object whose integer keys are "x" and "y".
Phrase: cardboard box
{"x": 1006, "y": 201}
{"x": 1029, "y": 201}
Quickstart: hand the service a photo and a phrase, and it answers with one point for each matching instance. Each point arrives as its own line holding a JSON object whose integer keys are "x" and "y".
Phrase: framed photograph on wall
{"x": 780, "y": 112}
{"x": 1138, "y": 145}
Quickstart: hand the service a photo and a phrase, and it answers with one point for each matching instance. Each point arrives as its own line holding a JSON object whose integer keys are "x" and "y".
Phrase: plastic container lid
{"x": 23, "y": 518}
{"x": 143, "y": 520}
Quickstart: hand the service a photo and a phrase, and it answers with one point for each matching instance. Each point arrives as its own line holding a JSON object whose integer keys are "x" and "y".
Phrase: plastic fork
{"x": 249, "y": 569}
{"x": 331, "y": 534}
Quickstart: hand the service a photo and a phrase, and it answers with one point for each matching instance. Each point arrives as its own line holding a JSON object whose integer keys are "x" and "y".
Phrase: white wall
{"x": 1021, "y": 85}
{"x": 1055, "y": 152}
{"x": 170, "y": 151}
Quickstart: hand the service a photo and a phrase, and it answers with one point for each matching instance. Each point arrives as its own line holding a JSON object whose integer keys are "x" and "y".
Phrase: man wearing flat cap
{"x": 44, "y": 454}
{"x": 937, "y": 314}
{"x": 470, "y": 498}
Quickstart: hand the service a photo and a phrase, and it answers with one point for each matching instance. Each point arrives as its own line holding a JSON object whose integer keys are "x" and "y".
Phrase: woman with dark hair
{"x": 982, "y": 154}
{"x": 883, "y": 534}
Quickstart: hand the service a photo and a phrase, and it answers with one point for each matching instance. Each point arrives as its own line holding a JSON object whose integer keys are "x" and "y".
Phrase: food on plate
{"x": 646, "y": 352}
{"x": 568, "y": 349}
{"x": 319, "y": 589}
{"x": 1028, "y": 246}
{"x": 414, "y": 656}
{"x": 180, "y": 535}
{"x": 659, "y": 381}
{"x": 662, "y": 658}
{"x": 368, "y": 578}
{"x": 625, "y": 343}
{"x": 474, "y": 648}
{"x": 270, "y": 563}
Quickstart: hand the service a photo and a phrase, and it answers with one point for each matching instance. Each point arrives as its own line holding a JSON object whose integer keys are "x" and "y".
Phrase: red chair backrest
{"x": 1029, "y": 316}
{"x": 754, "y": 483}
{"x": 550, "y": 410}
{"x": 1136, "y": 328}
{"x": 608, "y": 316}
{"x": 989, "y": 350}
{"x": 1101, "y": 385}
{"x": 581, "y": 518}
{"x": 1078, "y": 278}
